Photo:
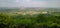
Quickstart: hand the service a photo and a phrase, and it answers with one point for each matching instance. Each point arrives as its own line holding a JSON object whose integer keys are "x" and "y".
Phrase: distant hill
{"x": 5, "y": 9}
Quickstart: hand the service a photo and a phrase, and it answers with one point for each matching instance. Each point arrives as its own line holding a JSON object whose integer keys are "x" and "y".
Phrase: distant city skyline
{"x": 30, "y": 3}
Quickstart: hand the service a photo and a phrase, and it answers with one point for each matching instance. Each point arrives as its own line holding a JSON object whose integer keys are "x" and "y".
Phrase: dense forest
{"x": 15, "y": 20}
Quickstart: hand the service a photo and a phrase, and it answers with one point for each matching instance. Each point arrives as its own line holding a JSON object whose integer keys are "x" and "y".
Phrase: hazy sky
{"x": 30, "y": 3}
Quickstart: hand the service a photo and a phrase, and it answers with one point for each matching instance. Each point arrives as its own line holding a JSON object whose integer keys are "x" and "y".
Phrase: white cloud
{"x": 34, "y": 3}
{"x": 17, "y": 0}
{"x": 28, "y": 0}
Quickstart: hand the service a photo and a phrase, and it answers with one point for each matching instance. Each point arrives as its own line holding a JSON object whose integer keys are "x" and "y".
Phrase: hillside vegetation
{"x": 38, "y": 20}
{"x": 29, "y": 21}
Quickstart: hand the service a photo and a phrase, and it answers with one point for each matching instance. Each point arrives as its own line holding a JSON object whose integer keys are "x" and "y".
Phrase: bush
{"x": 28, "y": 21}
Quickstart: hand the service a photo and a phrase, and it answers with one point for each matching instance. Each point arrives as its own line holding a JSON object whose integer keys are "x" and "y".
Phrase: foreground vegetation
{"x": 29, "y": 21}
